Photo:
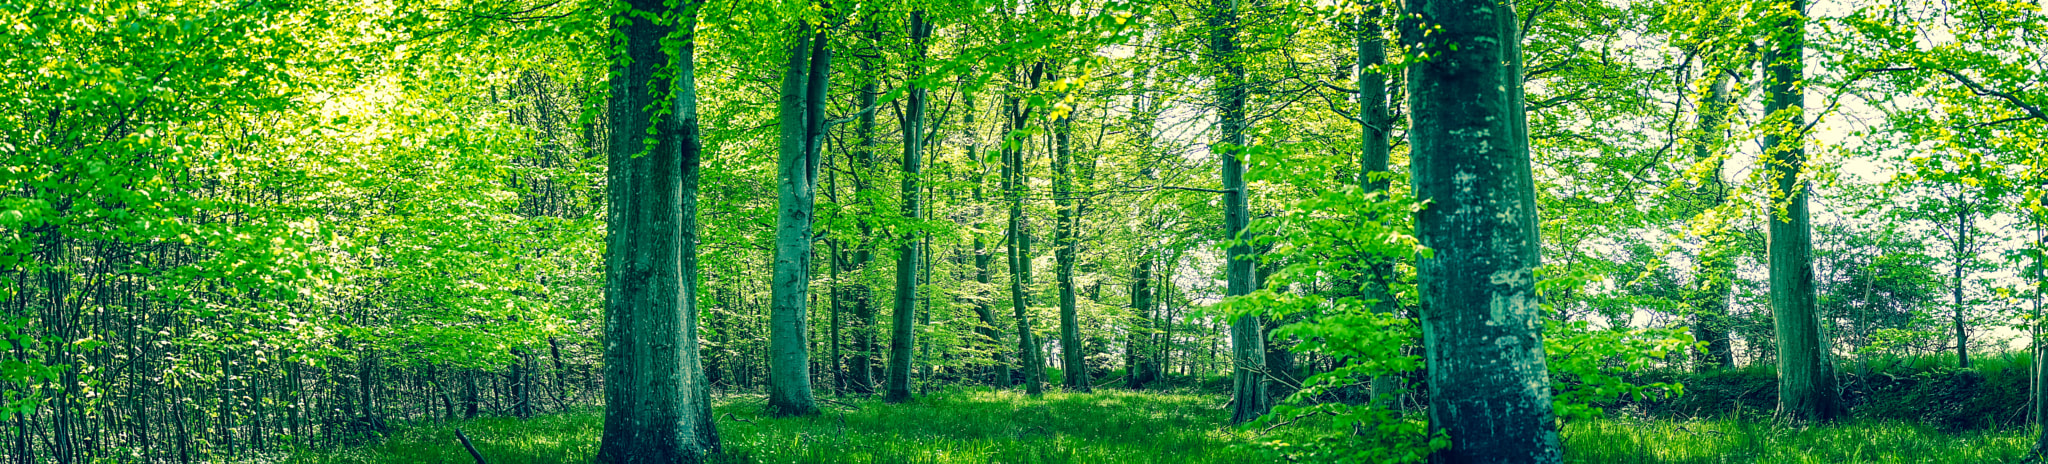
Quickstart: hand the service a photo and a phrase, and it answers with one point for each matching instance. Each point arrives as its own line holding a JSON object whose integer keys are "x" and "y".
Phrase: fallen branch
{"x": 737, "y": 418}
{"x": 466, "y": 445}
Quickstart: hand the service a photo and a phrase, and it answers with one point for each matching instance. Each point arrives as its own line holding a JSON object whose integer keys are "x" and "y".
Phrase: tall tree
{"x": 999, "y": 371}
{"x": 1030, "y": 359}
{"x": 1375, "y": 124}
{"x": 903, "y": 334}
{"x": 1482, "y": 323}
{"x": 1247, "y": 340}
{"x": 657, "y": 400}
{"x": 802, "y": 116}
{"x": 1806, "y": 381}
{"x": 1073, "y": 359}
{"x": 861, "y": 367}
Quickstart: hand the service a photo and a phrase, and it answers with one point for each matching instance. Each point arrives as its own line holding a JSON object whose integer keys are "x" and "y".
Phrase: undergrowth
{"x": 980, "y": 426}
{"x": 969, "y": 426}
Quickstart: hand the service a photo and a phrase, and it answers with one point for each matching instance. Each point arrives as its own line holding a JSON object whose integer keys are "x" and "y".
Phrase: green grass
{"x": 1759, "y": 441}
{"x": 974, "y": 426}
{"x": 979, "y": 426}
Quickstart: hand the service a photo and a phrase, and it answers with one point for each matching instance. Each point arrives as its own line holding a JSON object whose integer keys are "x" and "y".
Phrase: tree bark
{"x": 903, "y": 329}
{"x": 1806, "y": 382}
{"x": 1482, "y": 321}
{"x": 657, "y": 403}
{"x": 802, "y": 118}
{"x": 1247, "y": 343}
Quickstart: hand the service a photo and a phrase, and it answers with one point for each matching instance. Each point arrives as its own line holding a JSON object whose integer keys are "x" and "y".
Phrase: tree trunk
{"x": 1073, "y": 360}
{"x": 1376, "y": 128}
{"x": 903, "y": 329}
{"x": 1962, "y": 249}
{"x": 862, "y": 365}
{"x": 1714, "y": 271}
{"x": 802, "y": 117}
{"x": 999, "y": 373}
{"x": 1247, "y": 345}
{"x": 1029, "y": 357}
{"x": 1482, "y": 322}
{"x": 1806, "y": 382}
{"x": 657, "y": 403}
{"x": 1139, "y": 367}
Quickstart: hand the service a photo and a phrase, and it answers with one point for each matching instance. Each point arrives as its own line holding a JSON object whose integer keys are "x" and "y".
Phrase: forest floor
{"x": 1118, "y": 427}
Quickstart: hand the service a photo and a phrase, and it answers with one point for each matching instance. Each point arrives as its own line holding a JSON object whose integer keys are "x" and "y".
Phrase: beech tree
{"x": 1482, "y": 322}
{"x": 658, "y": 402}
{"x": 802, "y": 118}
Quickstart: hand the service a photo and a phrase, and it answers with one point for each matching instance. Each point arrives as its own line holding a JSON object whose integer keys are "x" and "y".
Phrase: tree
{"x": 802, "y": 117}
{"x": 1375, "y": 124}
{"x": 903, "y": 328}
{"x": 1482, "y": 321}
{"x": 1247, "y": 339}
{"x": 1073, "y": 359}
{"x": 1806, "y": 382}
{"x": 658, "y": 402}
{"x": 1030, "y": 359}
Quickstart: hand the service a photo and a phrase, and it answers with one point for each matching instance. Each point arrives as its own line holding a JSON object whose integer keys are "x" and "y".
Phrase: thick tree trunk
{"x": 1482, "y": 322}
{"x": 657, "y": 402}
{"x": 802, "y": 119}
{"x": 1806, "y": 381}
{"x": 903, "y": 337}
{"x": 1247, "y": 343}
{"x": 1714, "y": 271}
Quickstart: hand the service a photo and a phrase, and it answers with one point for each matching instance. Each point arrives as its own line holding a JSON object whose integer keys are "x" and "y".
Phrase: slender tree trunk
{"x": 1247, "y": 343}
{"x": 903, "y": 329}
{"x": 2040, "y": 411}
{"x": 1482, "y": 322}
{"x": 1806, "y": 381}
{"x": 657, "y": 402}
{"x": 983, "y": 257}
{"x": 1030, "y": 358}
{"x": 1714, "y": 271}
{"x": 1962, "y": 313}
{"x": 1139, "y": 367}
{"x": 1376, "y": 127}
{"x": 1072, "y": 357}
{"x": 865, "y": 348}
{"x": 802, "y": 116}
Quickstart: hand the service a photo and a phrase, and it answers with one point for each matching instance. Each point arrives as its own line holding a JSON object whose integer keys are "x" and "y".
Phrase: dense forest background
{"x": 234, "y": 227}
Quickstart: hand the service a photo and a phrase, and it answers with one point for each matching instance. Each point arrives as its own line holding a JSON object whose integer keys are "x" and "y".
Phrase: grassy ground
{"x": 958, "y": 427}
{"x": 1120, "y": 427}
{"x": 1747, "y": 441}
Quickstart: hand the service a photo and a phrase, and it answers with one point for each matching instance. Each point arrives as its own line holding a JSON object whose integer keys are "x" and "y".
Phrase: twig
{"x": 737, "y": 418}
